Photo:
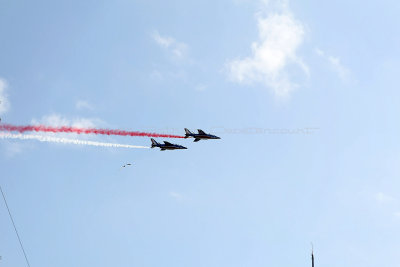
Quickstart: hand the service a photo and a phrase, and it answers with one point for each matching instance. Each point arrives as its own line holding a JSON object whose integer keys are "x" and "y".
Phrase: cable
{"x": 15, "y": 228}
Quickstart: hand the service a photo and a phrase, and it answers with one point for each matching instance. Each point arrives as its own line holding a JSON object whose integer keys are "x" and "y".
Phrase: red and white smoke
{"x": 78, "y": 130}
{"x": 51, "y": 139}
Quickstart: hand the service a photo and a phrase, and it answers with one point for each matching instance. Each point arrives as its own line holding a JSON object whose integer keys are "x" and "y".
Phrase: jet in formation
{"x": 200, "y": 135}
{"x": 166, "y": 145}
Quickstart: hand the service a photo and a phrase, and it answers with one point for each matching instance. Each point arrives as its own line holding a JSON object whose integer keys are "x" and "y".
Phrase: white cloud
{"x": 51, "y": 120}
{"x": 280, "y": 36}
{"x": 163, "y": 41}
{"x": 81, "y": 104}
{"x": 342, "y": 71}
{"x": 57, "y": 120}
{"x": 383, "y": 198}
{"x": 4, "y": 103}
{"x": 178, "y": 49}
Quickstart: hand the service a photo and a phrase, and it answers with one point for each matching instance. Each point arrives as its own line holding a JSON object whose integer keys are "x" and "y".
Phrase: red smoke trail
{"x": 68, "y": 129}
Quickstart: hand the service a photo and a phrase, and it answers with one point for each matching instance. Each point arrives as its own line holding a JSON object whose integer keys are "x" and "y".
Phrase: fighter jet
{"x": 201, "y": 135}
{"x": 166, "y": 145}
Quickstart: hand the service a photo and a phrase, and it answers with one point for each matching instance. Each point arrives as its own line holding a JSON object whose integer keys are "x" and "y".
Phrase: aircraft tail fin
{"x": 153, "y": 143}
{"x": 187, "y": 131}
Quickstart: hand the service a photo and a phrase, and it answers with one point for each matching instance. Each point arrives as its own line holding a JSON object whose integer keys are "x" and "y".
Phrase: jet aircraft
{"x": 200, "y": 135}
{"x": 166, "y": 145}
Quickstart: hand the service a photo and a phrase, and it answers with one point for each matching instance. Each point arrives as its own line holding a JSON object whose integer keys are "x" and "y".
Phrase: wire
{"x": 15, "y": 228}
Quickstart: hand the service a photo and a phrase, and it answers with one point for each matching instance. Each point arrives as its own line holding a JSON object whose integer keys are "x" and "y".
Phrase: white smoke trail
{"x": 63, "y": 140}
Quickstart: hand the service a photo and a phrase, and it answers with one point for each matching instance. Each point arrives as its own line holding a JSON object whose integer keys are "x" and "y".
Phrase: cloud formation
{"x": 342, "y": 71}
{"x": 57, "y": 120}
{"x": 280, "y": 36}
{"x": 4, "y": 103}
{"x": 82, "y": 104}
{"x": 178, "y": 49}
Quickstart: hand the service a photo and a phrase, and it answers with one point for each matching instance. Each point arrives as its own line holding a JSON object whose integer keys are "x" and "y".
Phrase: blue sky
{"x": 259, "y": 74}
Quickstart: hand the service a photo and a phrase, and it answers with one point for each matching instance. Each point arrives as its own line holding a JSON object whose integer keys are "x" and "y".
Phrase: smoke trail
{"x": 68, "y": 129}
{"x": 63, "y": 140}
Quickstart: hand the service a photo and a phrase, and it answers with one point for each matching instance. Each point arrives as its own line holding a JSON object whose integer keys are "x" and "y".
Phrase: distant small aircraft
{"x": 128, "y": 164}
{"x": 200, "y": 135}
{"x": 166, "y": 145}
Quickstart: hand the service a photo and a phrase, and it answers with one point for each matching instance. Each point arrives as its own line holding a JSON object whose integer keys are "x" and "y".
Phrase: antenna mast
{"x": 312, "y": 255}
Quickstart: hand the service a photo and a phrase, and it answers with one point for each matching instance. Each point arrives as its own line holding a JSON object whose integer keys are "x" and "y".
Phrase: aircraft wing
{"x": 196, "y": 140}
{"x": 201, "y": 131}
{"x": 167, "y": 143}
